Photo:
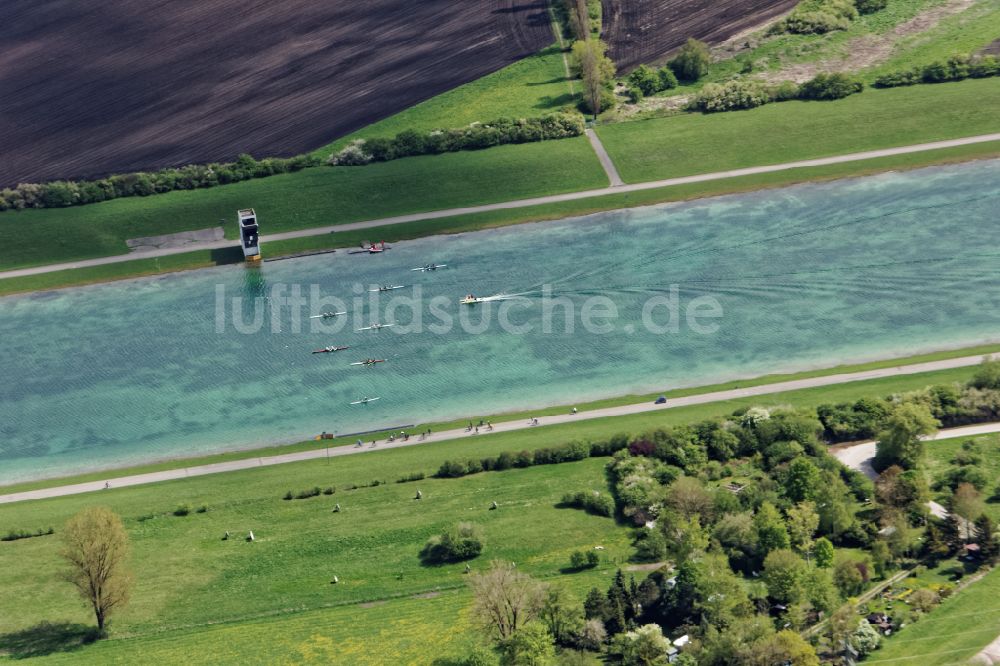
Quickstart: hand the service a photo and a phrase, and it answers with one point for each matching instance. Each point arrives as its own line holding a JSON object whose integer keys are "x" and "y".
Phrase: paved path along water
{"x": 520, "y": 203}
{"x": 846, "y": 454}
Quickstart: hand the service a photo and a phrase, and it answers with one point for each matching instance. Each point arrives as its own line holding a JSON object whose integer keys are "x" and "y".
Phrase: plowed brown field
{"x": 88, "y": 88}
{"x": 644, "y": 31}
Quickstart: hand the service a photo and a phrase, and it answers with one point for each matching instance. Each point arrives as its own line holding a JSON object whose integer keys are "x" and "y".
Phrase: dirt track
{"x": 90, "y": 88}
{"x": 645, "y": 31}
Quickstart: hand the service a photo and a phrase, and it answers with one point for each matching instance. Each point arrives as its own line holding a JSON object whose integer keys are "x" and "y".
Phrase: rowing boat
{"x": 430, "y": 267}
{"x": 327, "y": 315}
{"x": 370, "y": 361}
{"x": 327, "y": 350}
{"x": 387, "y": 288}
{"x": 364, "y": 401}
{"x": 374, "y": 327}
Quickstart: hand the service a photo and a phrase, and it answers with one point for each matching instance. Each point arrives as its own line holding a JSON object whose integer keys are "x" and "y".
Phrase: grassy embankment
{"x": 517, "y": 416}
{"x": 952, "y": 633}
{"x": 643, "y": 150}
{"x": 220, "y": 601}
{"x": 788, "y": 131}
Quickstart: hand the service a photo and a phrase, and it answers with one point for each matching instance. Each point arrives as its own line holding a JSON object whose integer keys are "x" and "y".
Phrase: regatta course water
{"x": 807, "y": 276}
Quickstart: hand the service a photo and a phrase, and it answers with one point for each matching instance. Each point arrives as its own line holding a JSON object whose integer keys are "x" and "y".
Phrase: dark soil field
{"x": 645, "y": 31}
{"x": 89, "y": 88}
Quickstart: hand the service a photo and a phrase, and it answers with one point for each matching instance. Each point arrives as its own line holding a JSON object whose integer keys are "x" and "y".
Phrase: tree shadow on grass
{"x": 549, "y": 102}
{"x": 47, "y": 638}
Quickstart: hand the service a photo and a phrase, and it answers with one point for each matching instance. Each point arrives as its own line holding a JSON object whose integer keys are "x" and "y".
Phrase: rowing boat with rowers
{"x": 388, "y": 287}
{"x": 327, "y": 315}
{"x": 374, "y": 327}
{"x": 364, "y": 401}
{"x": 370, "y": 361}
{"x": 331, "y": 348}
{"x": 429, "y": 267}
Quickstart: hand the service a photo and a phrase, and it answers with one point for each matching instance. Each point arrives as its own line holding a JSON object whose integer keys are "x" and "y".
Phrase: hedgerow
{"x": 955, "y": 68}
{"x": 472, "y": 137}
{"x": 63, "y": 193}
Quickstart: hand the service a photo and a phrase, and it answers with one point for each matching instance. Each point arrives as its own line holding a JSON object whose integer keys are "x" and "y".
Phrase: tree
{"x": 783, "y": 574}
{"x": 881, "y": 557}
{"x": 901, "y": 441}
{"x": 802, "y": 521}
{"x": 786, "y": 647}
{"x": 561, "y": 614}
{"x": 595, "y": 606}
{"x": 531, "y": 645}
{"x": 688, "y": 497}
{"x": 685, "y": 538}
{"x": 692, "y": 62}
{"x": 505, "y": 599}
{"x": 771, "y": 532}
{"x": 96, "y": 547}
{"x": 823, "y": 553}
{"x": 967, "y": 503}
{"x": 906, "y": 491}
{"x": 596, "y": 69}
{"x": 865, "y": 638}
{"x": 987, "y": 374}
{"x": 803, "y": 479}
{"x": 463, "y": 542}
{"x": 986, "y": 537}
{"x": 646, "y": 646}
{"x": 841, "y": 626}
{"x": 848, "y": 578}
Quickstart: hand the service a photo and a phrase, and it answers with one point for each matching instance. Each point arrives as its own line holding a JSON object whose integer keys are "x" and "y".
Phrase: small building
{"x": 249, "y": 234}
{"x": 881, "y": 621}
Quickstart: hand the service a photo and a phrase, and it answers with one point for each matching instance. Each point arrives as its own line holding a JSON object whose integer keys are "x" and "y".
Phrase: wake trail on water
{"x": 665, "y": 254}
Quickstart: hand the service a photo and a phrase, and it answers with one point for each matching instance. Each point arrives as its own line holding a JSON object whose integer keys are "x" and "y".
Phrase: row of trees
{"x": 749, "y": 93}
{"x": 473, "y": 137}
{"x": 62, "y": 193}
{"x": 955, "y": 68}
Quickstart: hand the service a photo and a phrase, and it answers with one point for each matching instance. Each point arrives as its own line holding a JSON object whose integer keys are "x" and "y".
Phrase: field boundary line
{"x": 514, "y": 204}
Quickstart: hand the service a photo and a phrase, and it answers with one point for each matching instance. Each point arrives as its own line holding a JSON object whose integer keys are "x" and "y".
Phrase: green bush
{"x": 416, "y": 476}
{"x": 896, "y": 79}
{"x": 331, "y": 490}
{"x": 830, "y": 86}
{"x": 288, "y": 496}
{"x": 463, "y": 542}
{"x": 667, "y": 78}
{"x": 692, "y": 62}
{"x": 870, "y": 6}
{"x": 202, "y": 509}
{"x": 590, "y": 501}
{"x": 815, "y": 23}
{"x": 784, "y": 91}
{"x": 472, "y": 137}
{"x": 15, "y": 535}
{"x": 579, "y": 559}
{"x": 645, "y": 79}
{"x": 634, "y": 94}
{"x": 730, "y": 96}
{"x": 182, "y": 510}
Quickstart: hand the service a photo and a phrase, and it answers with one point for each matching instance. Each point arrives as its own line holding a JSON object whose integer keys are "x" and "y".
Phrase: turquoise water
{"x": 806, "y": 276}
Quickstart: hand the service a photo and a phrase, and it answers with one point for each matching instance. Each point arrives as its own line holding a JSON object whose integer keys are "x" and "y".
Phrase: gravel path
{"x": 520, "y": 203}
{"x": 853, "y": 452}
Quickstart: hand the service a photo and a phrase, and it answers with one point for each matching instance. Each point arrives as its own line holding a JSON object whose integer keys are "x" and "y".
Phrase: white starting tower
{"x": 249, "y": 235}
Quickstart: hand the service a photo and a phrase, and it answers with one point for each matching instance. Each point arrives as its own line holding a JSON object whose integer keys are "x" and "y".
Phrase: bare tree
{"x": 505, "y": 599}
{"x": 96, "y": 547}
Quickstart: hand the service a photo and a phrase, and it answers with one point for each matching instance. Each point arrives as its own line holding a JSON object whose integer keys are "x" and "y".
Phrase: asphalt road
{"x": 851, "y": 452}
{"x": 520, "y": 203}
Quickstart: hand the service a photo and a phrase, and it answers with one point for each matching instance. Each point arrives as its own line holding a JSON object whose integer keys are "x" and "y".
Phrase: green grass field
{"x": 187, "y": 577}
{"x": 952, "y": 633}
{"x": 313, "y": 197}
{"x": 531, "y": 87}
{"x": 788, "y": 131}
